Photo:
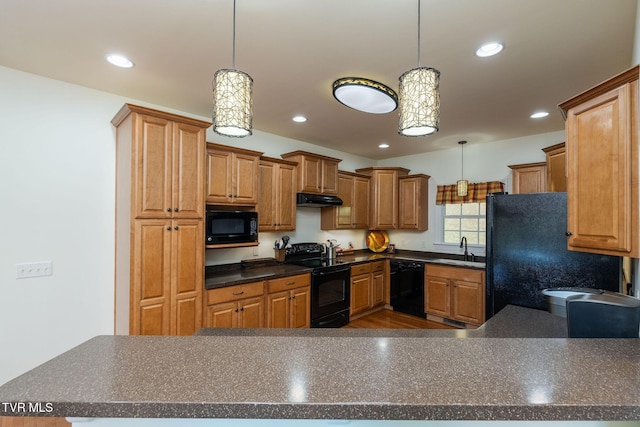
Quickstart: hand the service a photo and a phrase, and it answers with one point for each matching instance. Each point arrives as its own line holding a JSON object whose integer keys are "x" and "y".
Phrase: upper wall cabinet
{"x": 354, "y": 190}
{"x": 167, "y": 157}
{"x": 529, "y": 178}
{"x": 277, "y": 195}
{"x": 602, "y": 159}
{"x": 383, "y": 214}
{"x": 316, "y": 174}
{"x": 232, "y": 175}
{"x": 413, "y": 210}
{"x": 556, "y": 167}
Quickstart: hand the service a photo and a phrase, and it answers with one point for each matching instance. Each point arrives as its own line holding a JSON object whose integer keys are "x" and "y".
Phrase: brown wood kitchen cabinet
{"x": 317, "y": 174}
{"x": 455, "y": 293}
{"x": 383, "y": 214}
{"x": 529, "y": 178}
{"x": 413, "y": 211}
{"x": 602, "y": 161}
{"x": 556, "y": 167}
{"x": 289, "y": 302}
{"x": 367, "y": 287}
{"x": 354, "y": 190}
{"x": 232, "y": 175}
{"x": 159, "y": 222}
{"x": 277, "y": 195}
{"x": 239, "y": 306}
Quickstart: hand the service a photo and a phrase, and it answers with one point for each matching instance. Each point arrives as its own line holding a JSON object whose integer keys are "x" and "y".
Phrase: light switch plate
{"x": 34, "y": 269}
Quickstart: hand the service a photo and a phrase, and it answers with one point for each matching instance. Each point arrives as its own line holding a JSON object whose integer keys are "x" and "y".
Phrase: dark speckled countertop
{"x": 233, "y": 274}
{"x": 316, "y": 375}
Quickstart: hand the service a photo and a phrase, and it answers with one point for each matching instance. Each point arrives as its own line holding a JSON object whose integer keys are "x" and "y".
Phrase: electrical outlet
{"x": 34, "y": 269}
{"x": 255, "y": 251}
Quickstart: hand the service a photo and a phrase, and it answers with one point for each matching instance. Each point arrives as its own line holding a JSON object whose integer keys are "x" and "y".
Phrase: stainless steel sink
{"x": 459, "y": 263}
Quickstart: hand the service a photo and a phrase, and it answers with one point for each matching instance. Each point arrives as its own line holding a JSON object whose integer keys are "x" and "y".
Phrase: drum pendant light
{"x": 232, "y": 97}
{"x": 463, "y": 184}
{"x": 419, "y": 98}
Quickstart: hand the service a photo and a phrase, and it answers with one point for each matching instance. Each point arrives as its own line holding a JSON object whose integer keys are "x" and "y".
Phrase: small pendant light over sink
{"x": 419, "y": 98}
{"x": 232, "y": 92}
{"x": 463, "y": 184}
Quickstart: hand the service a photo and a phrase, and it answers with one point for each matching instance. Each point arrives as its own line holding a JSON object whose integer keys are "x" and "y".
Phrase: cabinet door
{"x": 556, "y": 168}
{"x": 329, "y": 177}
{"x": 301, "y": 308}
{"x": 344, "y": 213}
{"x": 245, "y": 179}
{"x": 188, "y": 171}
{"x": 152, "y": 165}
{"x": 286, "y": 197}
{"x": 360, "y": 202}
{"x": 602, "y": 178}
{"x": 267, "y": 202}
{"x": 223, "y": 315}
{"x": 311, "y": 178}
{"x": 530, "y": 179}
{"x": 360, "y": 293}
{"x": 377, "y": 288}
{"x": 467, "y": 302}
{"x": 437, "y": 296}
{"x": 251, "y": 313}
{"x": 150, "y": 293}
{"x": 187, "y": 281}
{"x": 385, "y": 203}
{"x": 219, "y": 175}
{"x": 278, "y": 305}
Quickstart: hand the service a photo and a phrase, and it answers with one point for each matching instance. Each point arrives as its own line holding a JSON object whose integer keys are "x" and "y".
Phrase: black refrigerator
{"x": 527, "y": 252}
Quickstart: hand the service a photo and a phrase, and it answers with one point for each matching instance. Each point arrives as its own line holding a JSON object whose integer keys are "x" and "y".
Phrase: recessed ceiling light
{"x": 383, "y": 145}
{"x": 119, "y": 60}
{"x": 489, "y": 49}
{"x": 299, "y": 119}
{"x": 539, "y": 115}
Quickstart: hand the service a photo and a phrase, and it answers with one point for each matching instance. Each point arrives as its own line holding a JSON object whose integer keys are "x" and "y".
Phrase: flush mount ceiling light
{"x": 299, "y": 119}
{"x": 232, "y": 98}
{"x": 365, "y": 95}
{"x": 119, "y": 60}
{"x": 463, "y": 184}
{"x": 489, "y": 49}
{"x": 539, "y": 115}
{"x": 419, "y": 96}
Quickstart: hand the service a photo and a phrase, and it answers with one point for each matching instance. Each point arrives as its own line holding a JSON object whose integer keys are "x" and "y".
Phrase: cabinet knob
{"x": 168, "y": 227}
{"x": 568, "y": 234}
{"x": 176, "y": 227}
{"x": 230, "y": 195}
{"x": 168, "y": 209}
{"x": 293, "y": 297}
{"x": 241, "y": 308}
{"x": 176, "y": 210}
{"x": 236, "y": 310}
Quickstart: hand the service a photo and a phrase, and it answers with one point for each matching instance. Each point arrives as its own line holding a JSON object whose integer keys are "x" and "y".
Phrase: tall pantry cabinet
{"x": 159, "y": 222}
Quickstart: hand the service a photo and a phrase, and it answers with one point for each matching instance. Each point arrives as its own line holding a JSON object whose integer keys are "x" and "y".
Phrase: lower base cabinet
{"x": 455, "y": 293}
{"x": 289, "y": 302}
{"x": 367, "y": 287}
{"x": 240, "y": 306}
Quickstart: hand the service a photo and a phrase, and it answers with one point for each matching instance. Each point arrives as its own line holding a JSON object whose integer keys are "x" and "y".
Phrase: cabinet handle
{"x": 568, "y": 234}
{"x": 176, "y": 228}
{"x": 169, "y": 227}
{"x": 230, "y": 195}
{"x": 176, "y": 209}
{"x": 241, "y": 308}
{"x": 168, "y": 209}
{"x": 236, "y": 310}
{"x": 293, "y": 297}
{"x": 238, "y": 293}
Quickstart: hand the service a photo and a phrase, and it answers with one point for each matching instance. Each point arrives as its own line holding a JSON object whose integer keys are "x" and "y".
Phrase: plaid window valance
{"x": 477, "y": 192}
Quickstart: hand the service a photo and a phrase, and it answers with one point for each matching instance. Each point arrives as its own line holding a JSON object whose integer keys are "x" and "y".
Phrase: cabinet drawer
{"x": 234, "y": 293}
{"x": 377, "y": 266}
{"x": 289, "y": 282}
{"x": 360, "y": 269}
{"x": 455, "y": 273}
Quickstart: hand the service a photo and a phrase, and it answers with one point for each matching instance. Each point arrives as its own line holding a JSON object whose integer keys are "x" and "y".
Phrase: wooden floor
{"x": 383, "y": 319}
{"x": 389, "y": 319}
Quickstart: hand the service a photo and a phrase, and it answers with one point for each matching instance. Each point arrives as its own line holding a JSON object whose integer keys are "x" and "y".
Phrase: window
{"x": 464, "y": 219}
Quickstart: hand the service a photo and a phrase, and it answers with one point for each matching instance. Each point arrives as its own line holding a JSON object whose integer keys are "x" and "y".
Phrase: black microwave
{"x": 224, "y": 227}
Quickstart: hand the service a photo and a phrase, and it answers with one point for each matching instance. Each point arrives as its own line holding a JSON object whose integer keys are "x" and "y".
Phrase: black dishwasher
{"x": 407, "y": 287}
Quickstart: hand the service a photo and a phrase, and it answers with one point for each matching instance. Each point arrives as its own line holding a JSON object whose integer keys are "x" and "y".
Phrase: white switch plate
{"x": 34, "y": 269}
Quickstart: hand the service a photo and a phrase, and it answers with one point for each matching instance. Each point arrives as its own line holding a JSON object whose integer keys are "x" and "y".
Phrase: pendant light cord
{"x": 234, "y": 37}
{"x": 462, "y": 171}
{"x": 418, "y": 33}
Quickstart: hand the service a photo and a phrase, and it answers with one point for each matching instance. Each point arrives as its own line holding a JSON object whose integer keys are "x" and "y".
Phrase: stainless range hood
{"x": 317, "y": 200}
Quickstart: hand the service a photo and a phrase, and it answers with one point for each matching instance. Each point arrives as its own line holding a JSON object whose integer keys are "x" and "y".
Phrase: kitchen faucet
{"x": 464, "y": 242}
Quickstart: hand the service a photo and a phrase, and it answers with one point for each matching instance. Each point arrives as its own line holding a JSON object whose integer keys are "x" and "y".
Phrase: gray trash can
{"x": 603, "y": 315}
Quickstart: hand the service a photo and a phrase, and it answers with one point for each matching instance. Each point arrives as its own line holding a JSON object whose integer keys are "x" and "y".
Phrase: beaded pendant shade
{"x": 419, "y": 98}
{"x": 232, "y": 98}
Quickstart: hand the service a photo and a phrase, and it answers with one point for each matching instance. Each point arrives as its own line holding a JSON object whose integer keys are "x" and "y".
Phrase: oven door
{"x": 330, "y": 297}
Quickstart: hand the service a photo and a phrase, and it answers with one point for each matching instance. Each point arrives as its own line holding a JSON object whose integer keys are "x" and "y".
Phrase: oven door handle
{"x": 332, "y": 271}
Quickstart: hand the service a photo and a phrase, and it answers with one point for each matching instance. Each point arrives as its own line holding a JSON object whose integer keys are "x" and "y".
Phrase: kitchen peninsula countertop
{"x": 316, "y": 374}
{"x": 234, "y": 274}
